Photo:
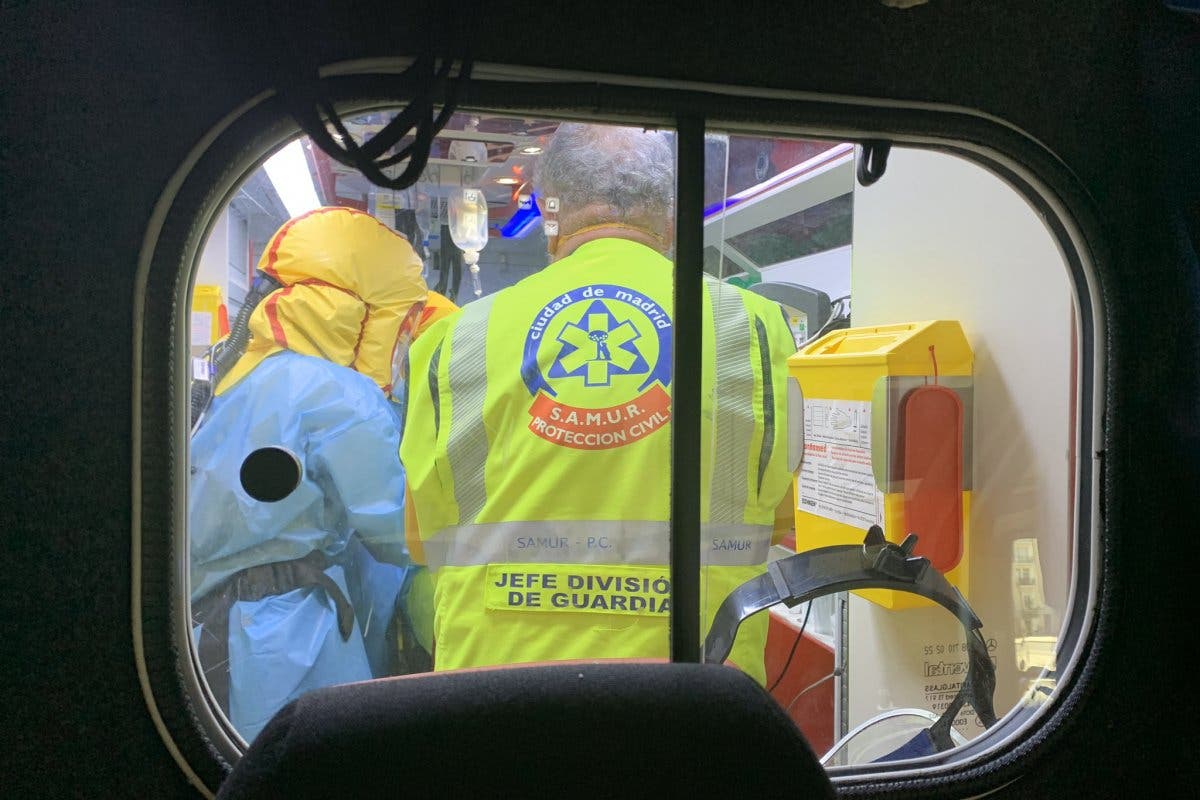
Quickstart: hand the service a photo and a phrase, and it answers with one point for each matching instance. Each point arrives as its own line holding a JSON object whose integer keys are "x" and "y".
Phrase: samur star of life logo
{"x": 597, "y": 362}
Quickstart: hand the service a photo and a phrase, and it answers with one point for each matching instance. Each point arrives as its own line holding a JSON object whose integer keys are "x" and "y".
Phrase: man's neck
{"x": 571, "y": 242}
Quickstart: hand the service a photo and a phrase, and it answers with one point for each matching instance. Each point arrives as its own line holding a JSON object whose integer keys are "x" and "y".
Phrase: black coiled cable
{"x": 428, "y": 76}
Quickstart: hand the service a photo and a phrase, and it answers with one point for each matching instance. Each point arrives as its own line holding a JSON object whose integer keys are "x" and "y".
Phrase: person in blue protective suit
{"x": 314, "y": 588}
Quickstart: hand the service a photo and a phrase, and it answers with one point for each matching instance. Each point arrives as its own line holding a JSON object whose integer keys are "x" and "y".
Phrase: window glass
{"x": 511, "y": 314}
{"x": 928, "y": 409}
{"x": 431, "y": 427}
{"x": 969, "y": 249}
{"x": 774, "y": 296}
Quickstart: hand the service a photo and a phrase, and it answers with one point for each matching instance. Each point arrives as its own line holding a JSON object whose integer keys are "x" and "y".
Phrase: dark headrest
{"x": 571, "y": 731}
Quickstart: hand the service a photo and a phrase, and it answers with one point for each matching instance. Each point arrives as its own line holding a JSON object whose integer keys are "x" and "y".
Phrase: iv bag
{"x": 468, "y": 228}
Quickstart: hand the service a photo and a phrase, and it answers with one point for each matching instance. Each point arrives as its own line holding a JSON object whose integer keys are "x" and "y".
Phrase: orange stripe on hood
{"x": 277, "y": 331}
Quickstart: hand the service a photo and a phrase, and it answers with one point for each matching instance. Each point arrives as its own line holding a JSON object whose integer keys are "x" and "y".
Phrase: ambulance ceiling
{"x": 494, "y": 153}
{"x": 750, "y": 182}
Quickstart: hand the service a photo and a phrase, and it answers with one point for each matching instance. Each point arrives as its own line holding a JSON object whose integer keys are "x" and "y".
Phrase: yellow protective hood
{"x": 349, "y": 282}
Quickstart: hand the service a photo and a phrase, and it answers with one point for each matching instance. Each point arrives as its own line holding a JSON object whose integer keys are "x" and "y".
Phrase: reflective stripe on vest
{"x": 467, "y": 446}
{"x": 733, "y": 417}
{"x": 591, "y": 542}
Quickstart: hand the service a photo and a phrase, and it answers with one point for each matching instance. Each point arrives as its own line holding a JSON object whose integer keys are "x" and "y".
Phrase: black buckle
{"x": 894, "y": 561}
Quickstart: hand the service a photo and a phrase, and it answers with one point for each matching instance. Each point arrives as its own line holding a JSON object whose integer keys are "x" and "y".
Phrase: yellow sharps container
{"x": 209, "y": 320}
{"x": 887, "y": 441}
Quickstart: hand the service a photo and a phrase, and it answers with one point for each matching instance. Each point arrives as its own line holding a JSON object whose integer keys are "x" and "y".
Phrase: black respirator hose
{"x": 239, "y": 334}
{"x": 224, "y": 354}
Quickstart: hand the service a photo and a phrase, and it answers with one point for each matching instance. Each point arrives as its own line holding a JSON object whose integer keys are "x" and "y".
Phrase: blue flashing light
{"x": 717, "y": 208}
{"x": 521, "y": 223}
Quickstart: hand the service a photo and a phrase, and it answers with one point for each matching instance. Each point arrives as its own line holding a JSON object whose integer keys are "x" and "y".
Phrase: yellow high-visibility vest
{"x": 538, "y": 449}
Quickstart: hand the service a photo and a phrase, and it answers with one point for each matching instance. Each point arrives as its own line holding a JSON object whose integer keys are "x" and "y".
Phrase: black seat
{"x": 570, "y": 730}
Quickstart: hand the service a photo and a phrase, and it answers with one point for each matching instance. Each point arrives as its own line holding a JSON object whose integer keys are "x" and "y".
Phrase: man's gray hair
{"x": 628, "y": 170}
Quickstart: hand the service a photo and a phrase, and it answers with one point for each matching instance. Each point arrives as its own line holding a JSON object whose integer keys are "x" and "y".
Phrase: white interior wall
{"x": 941, "y": 238}
{"x": 214, "y": 258}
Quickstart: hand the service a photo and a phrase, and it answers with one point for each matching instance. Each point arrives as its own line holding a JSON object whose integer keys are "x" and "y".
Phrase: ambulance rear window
{"x": 430, "y": 428}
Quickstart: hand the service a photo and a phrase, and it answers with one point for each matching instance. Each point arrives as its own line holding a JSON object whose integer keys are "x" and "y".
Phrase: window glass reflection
{"x": 925, "y": 411}
{"x": 469, "y": 386}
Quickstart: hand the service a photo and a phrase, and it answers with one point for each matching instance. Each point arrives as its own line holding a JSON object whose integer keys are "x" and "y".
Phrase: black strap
{"x": 873, "y": 161}
{"x": 425, "y": 77}
{"x": 875, "y": 564}
{"x": 211, "y": 612}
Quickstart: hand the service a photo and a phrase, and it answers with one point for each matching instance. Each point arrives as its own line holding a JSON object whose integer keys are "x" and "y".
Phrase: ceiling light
{"x": 289, "y": 174}
{"x": 531, "y": 150}
{"x": 508, "y": 181}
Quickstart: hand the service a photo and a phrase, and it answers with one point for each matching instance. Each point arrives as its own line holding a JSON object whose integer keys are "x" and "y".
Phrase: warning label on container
{"x": 836, "y": 481}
